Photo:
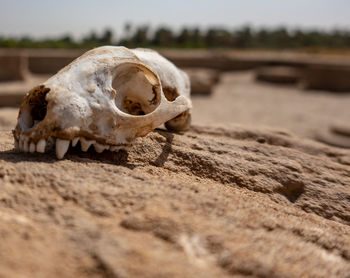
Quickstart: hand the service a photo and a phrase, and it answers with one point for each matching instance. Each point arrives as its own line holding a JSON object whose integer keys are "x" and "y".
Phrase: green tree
{"x": 243, "y": 38}
{"x": 163, "y": 37}
{"x": 140, "y": 38}
{"x": 183, "y": 39}
{"x": 106, "y": 37}
{"x": 218, "y": 37}
{"x": 197, "y": 38}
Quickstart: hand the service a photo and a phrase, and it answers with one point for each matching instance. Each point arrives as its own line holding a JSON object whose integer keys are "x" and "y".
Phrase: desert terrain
{"x": 248, "y": 191}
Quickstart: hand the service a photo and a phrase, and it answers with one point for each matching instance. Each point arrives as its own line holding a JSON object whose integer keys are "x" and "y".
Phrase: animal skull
{"x": 106, "y": 98}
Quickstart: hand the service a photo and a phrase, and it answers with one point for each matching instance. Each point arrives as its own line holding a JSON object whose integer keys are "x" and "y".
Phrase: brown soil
{"x": 221, "y": 200}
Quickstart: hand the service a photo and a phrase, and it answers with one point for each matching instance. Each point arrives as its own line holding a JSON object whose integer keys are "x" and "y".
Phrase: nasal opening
{"x": 34, "y": 107}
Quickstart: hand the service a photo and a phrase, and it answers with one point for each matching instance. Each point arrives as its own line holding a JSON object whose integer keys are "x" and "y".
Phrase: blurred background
{"x": 282, "y": 64}
{"x": 265, "y": 24}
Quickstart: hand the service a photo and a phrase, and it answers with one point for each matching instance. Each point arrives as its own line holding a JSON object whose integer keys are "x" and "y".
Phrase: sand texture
{"x": 229, "y": 198}
{"x": 212, "y": 202}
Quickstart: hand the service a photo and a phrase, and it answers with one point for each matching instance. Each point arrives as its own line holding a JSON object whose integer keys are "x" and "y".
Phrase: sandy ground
{"x": 221, "y": 200}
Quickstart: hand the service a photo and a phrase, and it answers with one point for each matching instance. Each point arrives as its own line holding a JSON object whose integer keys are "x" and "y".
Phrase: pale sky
{"x": 40, "y": 18}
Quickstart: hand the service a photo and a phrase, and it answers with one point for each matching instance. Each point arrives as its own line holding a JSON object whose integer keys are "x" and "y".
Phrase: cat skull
{"x": 106, "y": 98}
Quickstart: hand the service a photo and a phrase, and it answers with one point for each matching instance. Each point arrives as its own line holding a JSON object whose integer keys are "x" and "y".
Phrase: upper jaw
{"x": 26, "y": 143}
{"x": 46, "y": 136}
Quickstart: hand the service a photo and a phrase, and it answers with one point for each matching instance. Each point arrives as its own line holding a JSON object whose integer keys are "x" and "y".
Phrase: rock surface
{"x": 282, "y": 75}
{"x": 13, "y": 67}
{"x": 331, "y": 77}
{"x": 202, "y": 80}
{"x": 228, "y": 201}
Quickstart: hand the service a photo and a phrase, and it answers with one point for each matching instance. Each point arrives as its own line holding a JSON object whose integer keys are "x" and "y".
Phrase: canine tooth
{"x": 40, "y": 146}
{"x": 32, "y": 147}
{"x": 61, "y": 147}
{"x": 85, "y": 144}
{"x": 75, "y": 141}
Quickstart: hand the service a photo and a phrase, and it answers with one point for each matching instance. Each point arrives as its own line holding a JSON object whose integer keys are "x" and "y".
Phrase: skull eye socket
{"x": 138, "y": 90}
{"x": 34, "y": 107}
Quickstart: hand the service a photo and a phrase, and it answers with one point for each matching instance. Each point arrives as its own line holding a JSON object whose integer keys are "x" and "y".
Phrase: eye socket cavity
{"x": 138, "y": 89}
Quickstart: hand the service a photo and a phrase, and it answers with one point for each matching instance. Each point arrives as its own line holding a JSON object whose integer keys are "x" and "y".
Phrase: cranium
{"x": 105, "y": 98}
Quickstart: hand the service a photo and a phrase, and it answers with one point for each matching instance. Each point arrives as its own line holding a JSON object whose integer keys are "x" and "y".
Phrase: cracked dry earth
{"x": 226, "y": 201}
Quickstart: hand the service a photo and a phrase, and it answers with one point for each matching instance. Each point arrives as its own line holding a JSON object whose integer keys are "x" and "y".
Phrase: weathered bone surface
{"x": 106, "y": 98}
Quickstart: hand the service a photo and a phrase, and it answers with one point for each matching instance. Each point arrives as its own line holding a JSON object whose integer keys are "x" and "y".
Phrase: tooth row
{"x": 62, "y": 146}
{"x": 23, "y": 144}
